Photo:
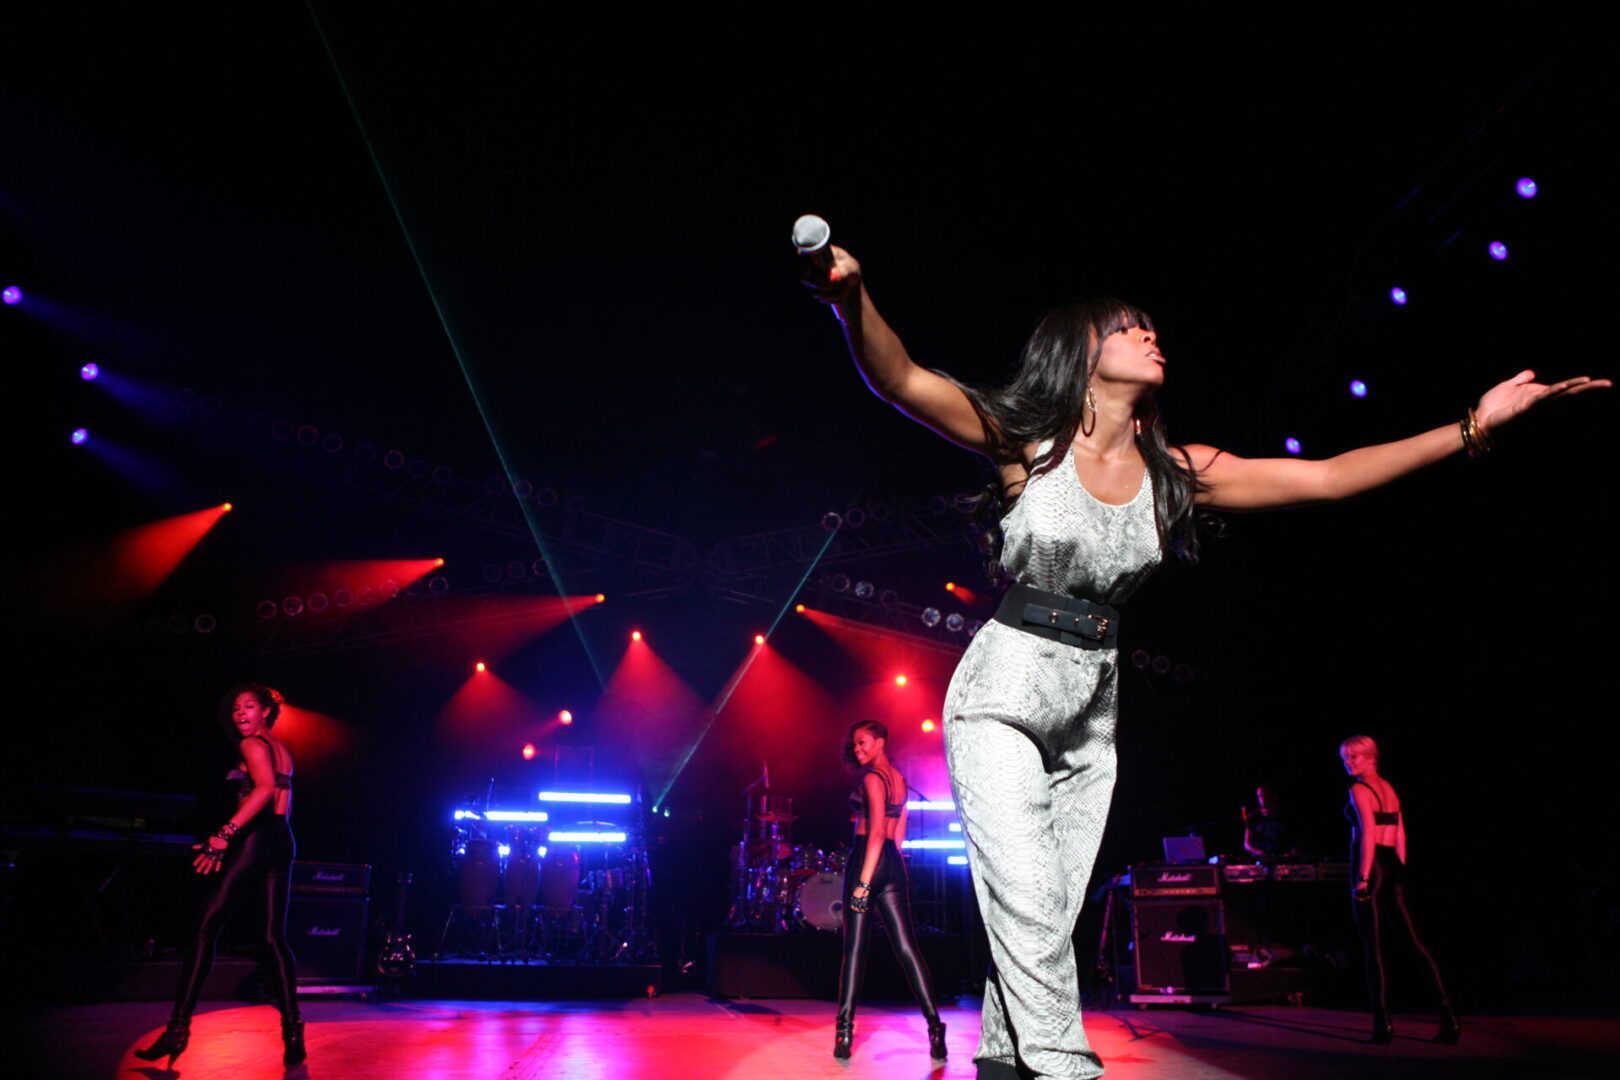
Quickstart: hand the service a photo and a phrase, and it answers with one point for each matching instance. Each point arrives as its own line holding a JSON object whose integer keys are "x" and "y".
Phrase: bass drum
{"x": 820, "y": 901}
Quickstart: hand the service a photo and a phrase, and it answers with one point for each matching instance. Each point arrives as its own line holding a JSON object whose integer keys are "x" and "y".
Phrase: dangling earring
{"x": 1091, "y": 401}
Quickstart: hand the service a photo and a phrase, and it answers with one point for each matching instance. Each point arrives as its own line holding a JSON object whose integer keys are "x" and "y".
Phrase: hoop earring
{"x": 1091, "y": 402}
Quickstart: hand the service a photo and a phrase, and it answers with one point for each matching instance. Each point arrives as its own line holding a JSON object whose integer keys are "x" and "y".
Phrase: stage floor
{"x": 691, "y": 1035}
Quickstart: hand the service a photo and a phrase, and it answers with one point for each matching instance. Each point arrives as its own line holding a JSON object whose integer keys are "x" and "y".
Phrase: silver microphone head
{"x": 811, "y": 233}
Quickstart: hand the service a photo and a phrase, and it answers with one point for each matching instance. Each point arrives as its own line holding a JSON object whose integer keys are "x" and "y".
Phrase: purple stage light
{"x": 11, "y": 294}
{"x": 1358, "y": 388}
{"x": 89, "y": 372}
{"x": 1291, "y": 444}
{"x": 1526, "y": 188}
{"x": 80, "y": 436}
{"x": 1397, "y": 295}
{"x": 1498, "y": 250}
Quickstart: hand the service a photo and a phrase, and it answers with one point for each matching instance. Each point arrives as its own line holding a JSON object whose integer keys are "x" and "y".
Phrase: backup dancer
{"x": 875, "y": 879}
{"x": 252, "y": 853}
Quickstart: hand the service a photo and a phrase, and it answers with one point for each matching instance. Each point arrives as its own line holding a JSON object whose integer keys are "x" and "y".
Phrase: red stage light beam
{"x": 117, "y": 573}
{"x": 651, "y": 710}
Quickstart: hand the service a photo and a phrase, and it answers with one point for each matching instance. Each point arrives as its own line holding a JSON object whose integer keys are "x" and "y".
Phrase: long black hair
{"x": 1046, "y": 400}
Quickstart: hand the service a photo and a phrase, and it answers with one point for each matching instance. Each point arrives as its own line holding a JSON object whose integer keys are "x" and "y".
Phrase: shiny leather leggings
{"x": 891, "y": 899}
{"x": 257, "y": 864}
{"x": 1386, "y": 905}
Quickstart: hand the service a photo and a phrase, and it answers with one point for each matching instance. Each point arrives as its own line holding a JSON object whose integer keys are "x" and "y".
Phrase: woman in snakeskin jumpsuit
{"x": 1094, "y": 494}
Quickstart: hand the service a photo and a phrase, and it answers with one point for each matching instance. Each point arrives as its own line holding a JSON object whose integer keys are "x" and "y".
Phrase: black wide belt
{"x": 1080, "y": 623}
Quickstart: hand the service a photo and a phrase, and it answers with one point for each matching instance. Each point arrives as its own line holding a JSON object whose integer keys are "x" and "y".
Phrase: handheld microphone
{"x": 812, "y": 236}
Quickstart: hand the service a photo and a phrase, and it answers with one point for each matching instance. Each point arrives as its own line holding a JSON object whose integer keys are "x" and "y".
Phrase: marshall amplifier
{"x": 330, "y": 879}
{"x": 1175, "y": 879}
{"x": 1180, "y": 950}
{"x": 328, "y": 937}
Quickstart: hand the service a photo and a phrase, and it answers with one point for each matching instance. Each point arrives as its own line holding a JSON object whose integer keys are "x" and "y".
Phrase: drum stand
{"x": 484, "y": 924}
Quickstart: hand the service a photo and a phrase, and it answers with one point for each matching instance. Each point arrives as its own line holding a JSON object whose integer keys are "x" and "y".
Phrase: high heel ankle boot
{"x": 1450, "y": 1029}
{"x": 843, "y": 1036}
{"x": 936, "y": 1039}
{"x": 1382, "y": 1032}
{"x": 171, "y": 1044}
{"x": 292, "y": 1039}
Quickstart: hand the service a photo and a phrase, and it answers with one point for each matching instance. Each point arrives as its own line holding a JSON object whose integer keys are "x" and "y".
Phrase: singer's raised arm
{"x": 926, "y": 397}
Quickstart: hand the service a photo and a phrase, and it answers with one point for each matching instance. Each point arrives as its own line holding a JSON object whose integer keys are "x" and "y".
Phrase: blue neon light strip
{"x": 934, "y": 844}
{"x": 930, "y": 804}
{"x": 580, "y": 796}
{"x": 587, "y": 838}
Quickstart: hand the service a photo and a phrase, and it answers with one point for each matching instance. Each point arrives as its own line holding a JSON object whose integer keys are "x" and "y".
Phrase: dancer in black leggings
{"x": 253, "y": 854}
{"x": 1378, "y": 852}
{"x": 875, "y": 878}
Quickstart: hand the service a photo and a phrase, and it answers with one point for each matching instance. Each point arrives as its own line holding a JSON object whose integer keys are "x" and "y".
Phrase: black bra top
{"x": 857, "y": 797}
{"x": 1380, "y": 816}
{"x": 245, "y": 782}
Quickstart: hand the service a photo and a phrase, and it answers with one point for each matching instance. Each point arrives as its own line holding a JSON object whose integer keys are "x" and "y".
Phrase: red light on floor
{"x": 635, "y": 635}
{"x": 480, "y": 666}
{"x": 900, "y": 680}
{"x": 565, "y": 717}
{"x": 799, "y": 608}
{"x": 759, "y": 639}
{"x": 928, "y": 725}
{"x": 528, "y": 751}
{"x": 601, "y": 598}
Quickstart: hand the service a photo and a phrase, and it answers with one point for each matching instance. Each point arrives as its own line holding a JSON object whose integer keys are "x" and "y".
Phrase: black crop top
{"x": 245, "y": 781}
{"x": 857, "y": 797}
{"x": 1380, "y": 816}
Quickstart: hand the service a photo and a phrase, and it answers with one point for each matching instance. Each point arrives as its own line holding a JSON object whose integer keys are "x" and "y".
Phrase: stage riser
{"x": 806, "y": 966}
{"x": 534, "y": 982}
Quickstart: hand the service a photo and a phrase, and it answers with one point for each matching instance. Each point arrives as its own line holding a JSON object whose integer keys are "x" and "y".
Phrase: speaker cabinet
{"x": 1180, "y": 946}
{"x": 328, "y": 937}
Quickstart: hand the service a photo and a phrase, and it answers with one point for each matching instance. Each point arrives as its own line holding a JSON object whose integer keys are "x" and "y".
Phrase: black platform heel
{"x": 292, "y": 1040}
{"x": 1382, "y": 1032}
{"x": 171, "y": 1044}
{"x": 936, "y": 1040}
{"x": 843, "y": 1037}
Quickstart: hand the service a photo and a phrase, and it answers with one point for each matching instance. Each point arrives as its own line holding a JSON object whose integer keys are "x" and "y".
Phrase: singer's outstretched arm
{"x": 888, "y": 369}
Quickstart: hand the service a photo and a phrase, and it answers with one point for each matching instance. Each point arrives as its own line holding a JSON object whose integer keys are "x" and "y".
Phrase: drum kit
{"x": 521, "y": 899}
{"x": 779, "y": 886}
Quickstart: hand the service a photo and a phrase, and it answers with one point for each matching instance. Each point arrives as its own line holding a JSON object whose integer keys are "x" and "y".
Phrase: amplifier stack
{"x": 327, "y": 924}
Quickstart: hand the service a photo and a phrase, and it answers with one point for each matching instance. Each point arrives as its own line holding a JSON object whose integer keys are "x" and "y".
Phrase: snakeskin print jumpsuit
{"x": 1029, "y": 730}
